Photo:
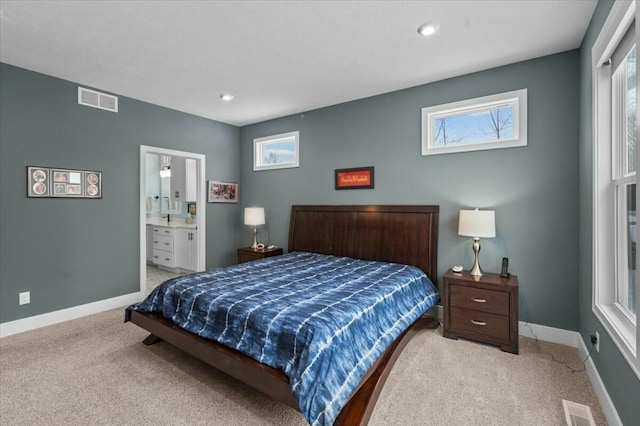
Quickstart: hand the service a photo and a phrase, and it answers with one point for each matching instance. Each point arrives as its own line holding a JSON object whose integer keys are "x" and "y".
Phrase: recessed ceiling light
{"x": 226, "y": 97}
{"x": 428, "y": 29}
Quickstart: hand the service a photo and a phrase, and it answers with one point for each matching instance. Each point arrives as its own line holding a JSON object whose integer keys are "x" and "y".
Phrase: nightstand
{"x": 247, "y": 254}
{"x": 483, "y": 308}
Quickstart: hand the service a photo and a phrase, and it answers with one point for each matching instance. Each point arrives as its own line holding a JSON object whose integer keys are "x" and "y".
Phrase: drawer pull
{"x": 155, "y": 242}
{"x": 166, "y": 244}
{"x": 481, "y": 323}
{"x": 479, "y": 300}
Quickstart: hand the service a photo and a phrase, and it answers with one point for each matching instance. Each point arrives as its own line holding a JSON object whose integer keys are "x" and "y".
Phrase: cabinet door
{"x": 193, "y": 257}
{"x": 178, "y": 182}
{"x": 190, "y": 181}
{"x": 149, "y": 244}
{"x": 183, "y": 179}
{"x": 187, "y": 249}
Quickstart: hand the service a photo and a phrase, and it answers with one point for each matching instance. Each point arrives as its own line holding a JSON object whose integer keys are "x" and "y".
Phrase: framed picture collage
{"x": 63, "y": 183}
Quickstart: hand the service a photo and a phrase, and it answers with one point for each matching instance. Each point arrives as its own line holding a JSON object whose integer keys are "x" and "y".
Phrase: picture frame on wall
{"x": 222, "y": 192}
{"x": 38, "y": 184}
{"x": 63, "y": 183}
{"x": 355, "y": 178}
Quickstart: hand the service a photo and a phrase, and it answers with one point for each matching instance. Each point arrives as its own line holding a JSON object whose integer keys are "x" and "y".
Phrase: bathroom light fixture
{"x": 165, "y": 172}
{"x": 254, "y": 216}
{"x": 428, "y": 29}
{"x": 477, "y": 224}
{"x": 226, "y": 97}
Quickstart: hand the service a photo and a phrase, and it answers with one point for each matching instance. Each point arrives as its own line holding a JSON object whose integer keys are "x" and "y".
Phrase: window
{"x": 624, "y": 178}
{"x": 276, "y": 152}
{"x": 615, "y": 295}
{"x": 497, "y": 121}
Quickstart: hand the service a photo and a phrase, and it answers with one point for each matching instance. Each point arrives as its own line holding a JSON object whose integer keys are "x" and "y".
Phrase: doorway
{"x": 200, "y": 217}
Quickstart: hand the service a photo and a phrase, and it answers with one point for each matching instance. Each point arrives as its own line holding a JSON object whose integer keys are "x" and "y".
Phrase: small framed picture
{"x": 356, "y": 178}
{"x": 59, "y": 189}
{"x": 60, "y": 177}
{"x": 222, "y": 192}
{"x": 74, "y": 189}
{"x": 38, "y": 184}
{"x": 191, "y": 208}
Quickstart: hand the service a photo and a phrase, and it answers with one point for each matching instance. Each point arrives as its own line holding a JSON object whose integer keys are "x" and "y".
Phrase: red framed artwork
{"x": 356, "y": 178}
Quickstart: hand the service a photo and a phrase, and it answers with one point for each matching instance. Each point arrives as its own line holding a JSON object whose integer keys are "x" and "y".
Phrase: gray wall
{"x": 72, "y": 252}
{"x": 621, "y": 382}
{"x": 533, "y": 189}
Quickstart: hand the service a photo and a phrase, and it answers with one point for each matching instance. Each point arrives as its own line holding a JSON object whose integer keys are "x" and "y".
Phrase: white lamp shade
{"x": 254, "y": 216}
{"x": 477, "y": 223}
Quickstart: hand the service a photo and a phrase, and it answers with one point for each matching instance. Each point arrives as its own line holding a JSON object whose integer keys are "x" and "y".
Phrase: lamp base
{"x": 476, "y": 270}
{"x": 255, "y": 238}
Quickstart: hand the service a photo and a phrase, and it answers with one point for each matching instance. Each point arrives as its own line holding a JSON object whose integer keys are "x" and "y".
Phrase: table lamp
{"x": 254, "y": 216}
{"x": 477, "y": 224}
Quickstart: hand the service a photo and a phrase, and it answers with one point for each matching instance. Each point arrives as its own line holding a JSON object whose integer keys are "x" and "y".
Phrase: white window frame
{"x": 430, "y": 114}
{"x": 614, "y": 319}
{"x": 260, "y": 143}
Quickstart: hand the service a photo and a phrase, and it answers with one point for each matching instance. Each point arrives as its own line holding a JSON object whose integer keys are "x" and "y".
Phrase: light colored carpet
{"x": 156, "y": 276}
{"x": 96, "y": 371}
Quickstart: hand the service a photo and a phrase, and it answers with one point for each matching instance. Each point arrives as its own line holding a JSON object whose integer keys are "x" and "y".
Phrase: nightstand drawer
{"x": 247, "y": 254}
{"x": 248, "y": 257}
{"x": 480, "y": 323}
{"x": 478, "y": 299}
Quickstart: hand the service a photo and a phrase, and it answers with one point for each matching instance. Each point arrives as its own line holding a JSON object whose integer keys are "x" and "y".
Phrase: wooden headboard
{"x": 400, "y": 234}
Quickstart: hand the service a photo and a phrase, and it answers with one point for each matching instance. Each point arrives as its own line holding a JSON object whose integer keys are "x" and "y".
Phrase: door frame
{"x": 201, "y": 206}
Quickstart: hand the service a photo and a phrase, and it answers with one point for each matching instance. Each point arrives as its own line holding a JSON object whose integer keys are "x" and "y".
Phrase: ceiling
{"x": 277, "y": 57}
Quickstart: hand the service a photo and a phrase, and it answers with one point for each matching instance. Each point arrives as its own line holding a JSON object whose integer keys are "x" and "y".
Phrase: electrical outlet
{"x": 24, "y": 298}
{"x": 597, "y": 342}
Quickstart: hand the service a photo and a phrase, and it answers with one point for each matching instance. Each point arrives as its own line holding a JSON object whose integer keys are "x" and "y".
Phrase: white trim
{"x": 608, "y": 408}
{"x": 574, "y": 339}
{"x": 624, "y": 334}
{"x": 75, "y": 312}
{"x": 267, "y": 140}
{"x": 201, "y": 205}
{"x": 517, "y": 97}
{"x": 547, "y": 334}
{"x": 603, "y": 48}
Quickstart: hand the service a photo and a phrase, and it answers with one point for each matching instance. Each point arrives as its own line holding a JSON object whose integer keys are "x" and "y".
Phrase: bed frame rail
{"x": 271, "y": 381}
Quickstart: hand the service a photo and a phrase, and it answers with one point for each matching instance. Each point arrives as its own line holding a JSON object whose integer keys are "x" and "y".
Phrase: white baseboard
{"x": 50, "y": 318}
{"x": 547, "y": 334}
{"x": 606, "y": 404}
{"x": 574, "y": 339}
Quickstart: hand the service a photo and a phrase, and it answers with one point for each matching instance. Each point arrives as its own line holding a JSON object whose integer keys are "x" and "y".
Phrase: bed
{"x": 353, "y": 237}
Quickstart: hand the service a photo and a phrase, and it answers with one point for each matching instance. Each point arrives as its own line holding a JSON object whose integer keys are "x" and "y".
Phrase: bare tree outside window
{"x": 501, "y": 119}
{"x": 442, "y": 138}
{"x": 488, "y": 122}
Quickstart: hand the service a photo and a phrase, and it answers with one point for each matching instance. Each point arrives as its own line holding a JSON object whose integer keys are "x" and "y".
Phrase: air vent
{"x": 577, "y": 414}
{"x": 95, "y": 99}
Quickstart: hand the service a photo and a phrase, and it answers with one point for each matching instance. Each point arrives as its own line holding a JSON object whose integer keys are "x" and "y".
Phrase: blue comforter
{"x": 323, "y": 320}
